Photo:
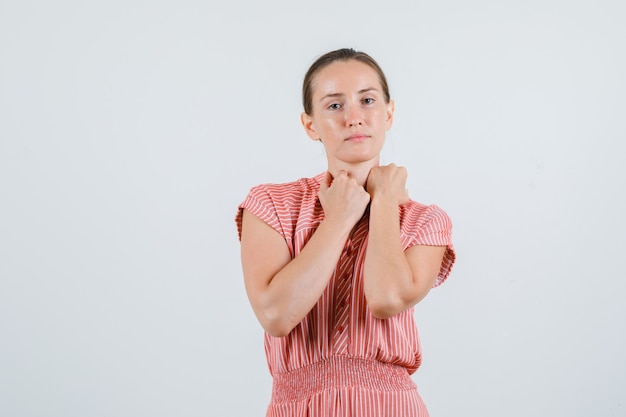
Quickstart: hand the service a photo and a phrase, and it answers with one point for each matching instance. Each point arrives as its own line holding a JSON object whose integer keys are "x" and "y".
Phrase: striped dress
{"x": 341, "y": 360}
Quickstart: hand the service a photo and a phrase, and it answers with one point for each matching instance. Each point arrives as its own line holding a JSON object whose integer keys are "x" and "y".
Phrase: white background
{"x": 130, "y": 131}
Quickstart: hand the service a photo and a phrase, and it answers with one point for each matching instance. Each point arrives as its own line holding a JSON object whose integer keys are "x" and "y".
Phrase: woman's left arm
{"x": 394, "y": 279}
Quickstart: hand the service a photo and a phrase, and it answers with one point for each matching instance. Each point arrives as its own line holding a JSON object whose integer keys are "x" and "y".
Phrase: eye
{"x": 334, "y": 106}
{"x": 368, "y": 100}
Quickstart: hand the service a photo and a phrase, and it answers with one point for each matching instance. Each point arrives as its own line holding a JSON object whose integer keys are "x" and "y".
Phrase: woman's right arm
{"x": 283, "y": 290}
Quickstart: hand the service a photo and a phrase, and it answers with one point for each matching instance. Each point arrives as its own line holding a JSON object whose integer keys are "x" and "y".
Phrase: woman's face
{"x": 350, "y": 116}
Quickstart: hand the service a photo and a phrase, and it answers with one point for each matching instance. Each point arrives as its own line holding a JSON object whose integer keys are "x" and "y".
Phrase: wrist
{"x": 383, "y": 202}
{"x": 336, "y": 225}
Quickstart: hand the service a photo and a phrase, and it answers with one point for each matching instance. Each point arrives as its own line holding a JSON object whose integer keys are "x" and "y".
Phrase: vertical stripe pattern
{"x": 340, "y": 360}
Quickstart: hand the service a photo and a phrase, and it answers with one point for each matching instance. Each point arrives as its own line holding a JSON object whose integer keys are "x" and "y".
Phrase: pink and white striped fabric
{"x": 340, "y": 360}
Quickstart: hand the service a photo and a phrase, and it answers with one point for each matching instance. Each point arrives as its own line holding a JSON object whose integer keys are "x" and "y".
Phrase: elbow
{"x": 273, "y": 316}
{"x": 276, "y": 330}
{"x": 385, "y": 308}
{"x": 382, "y": 314}
{"x": 275, "y": 324}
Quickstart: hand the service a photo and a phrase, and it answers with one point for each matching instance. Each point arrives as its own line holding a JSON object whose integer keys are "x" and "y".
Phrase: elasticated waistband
{"x": 337, "y": 372}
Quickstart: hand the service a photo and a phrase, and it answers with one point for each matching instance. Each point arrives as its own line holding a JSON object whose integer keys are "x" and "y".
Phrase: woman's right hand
{"x": 343, "y": 199}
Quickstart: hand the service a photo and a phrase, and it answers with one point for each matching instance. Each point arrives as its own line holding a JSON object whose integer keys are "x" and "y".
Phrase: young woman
{"x": 334, "y": 264}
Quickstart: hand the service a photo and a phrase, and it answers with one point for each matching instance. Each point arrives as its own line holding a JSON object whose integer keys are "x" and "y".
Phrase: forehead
{"x": 345, "y": 77}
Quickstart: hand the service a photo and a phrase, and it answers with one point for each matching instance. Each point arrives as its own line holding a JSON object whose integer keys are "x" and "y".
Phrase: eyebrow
{"x": 333, "y": 95}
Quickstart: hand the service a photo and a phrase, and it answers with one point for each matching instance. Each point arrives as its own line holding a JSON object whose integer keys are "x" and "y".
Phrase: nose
{"x": 354, "y": 116}
{"x": 355, "y": 122}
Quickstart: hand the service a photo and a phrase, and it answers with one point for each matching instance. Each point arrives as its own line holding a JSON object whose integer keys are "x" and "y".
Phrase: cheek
{"x": 384, "y": 119}
{"x": 330, "y": 123}
{"x": 388, "y": 122}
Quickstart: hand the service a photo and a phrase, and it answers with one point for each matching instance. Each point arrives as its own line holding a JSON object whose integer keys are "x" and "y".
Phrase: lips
{"x": 357, "y": 137}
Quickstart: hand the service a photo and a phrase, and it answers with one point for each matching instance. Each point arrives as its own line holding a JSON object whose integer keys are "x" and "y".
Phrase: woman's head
{"x": 347, "y": 108}
{"x": 345, "y": 54}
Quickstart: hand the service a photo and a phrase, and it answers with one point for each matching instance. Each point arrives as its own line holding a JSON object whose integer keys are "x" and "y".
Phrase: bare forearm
{"x": 297, "y": 287}
{"x": 389, "y": 284}
{"x": 394, "y": 279}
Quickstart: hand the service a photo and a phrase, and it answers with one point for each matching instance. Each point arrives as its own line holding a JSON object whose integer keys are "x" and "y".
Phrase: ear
{"x": 390, "y": 109}
{"x": 309, "y": 128}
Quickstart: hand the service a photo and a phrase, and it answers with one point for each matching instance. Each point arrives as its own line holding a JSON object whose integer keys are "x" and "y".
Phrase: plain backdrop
{"x": 131, "y": 130}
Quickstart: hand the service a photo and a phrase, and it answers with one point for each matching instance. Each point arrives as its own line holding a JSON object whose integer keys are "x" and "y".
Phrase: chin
{"x": 363, "y": 156}
{"x": 360, "y": 159}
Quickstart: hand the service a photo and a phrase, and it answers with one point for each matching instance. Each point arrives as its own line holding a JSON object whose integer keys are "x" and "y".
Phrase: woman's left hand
{"x": 388, "y": 182}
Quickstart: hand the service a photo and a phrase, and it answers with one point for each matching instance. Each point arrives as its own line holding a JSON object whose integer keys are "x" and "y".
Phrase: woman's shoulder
{"x": 417, "y": 213}
{"x": 307, "y": 186}
{"x": 416, "y": 207}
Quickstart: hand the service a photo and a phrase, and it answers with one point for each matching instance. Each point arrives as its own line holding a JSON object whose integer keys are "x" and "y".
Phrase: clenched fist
{"x": 342, "y": 198}
{"x": 388, "y": 182}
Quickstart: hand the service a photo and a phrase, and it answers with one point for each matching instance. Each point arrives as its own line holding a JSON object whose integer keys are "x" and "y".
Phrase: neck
{"x": 359, "y": 172}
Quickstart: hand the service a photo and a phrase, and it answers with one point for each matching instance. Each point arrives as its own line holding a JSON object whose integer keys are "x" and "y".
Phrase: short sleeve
{"x": 259, "y": 202}
{"x": 429, "y": 226}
